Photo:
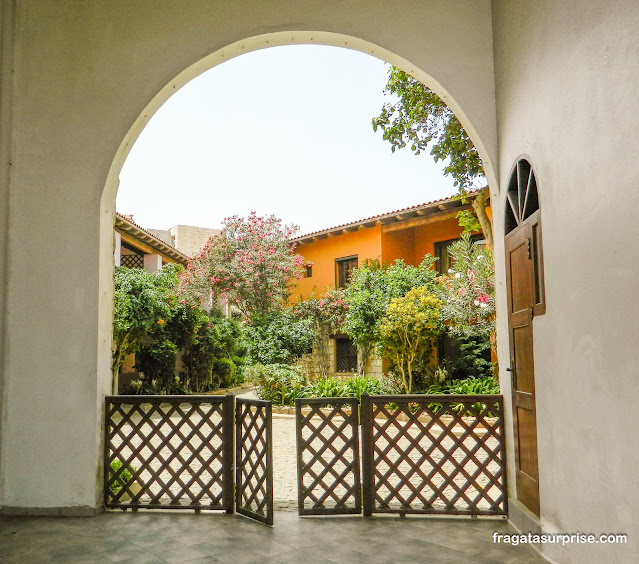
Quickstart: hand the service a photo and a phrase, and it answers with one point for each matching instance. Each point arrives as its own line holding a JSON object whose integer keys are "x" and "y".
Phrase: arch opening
{"x": 218, "y": 57}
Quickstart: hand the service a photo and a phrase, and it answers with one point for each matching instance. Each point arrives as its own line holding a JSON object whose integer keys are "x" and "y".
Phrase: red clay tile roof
{"x": 390, "y": 217}
{"x": 127, "y": 225}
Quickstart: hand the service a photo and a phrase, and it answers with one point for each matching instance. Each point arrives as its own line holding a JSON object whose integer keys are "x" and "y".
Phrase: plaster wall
{"x": 79, "y": 82}
{"x": 398, "y": 244}
{"x": 365, "y": 243}
{"x": 427, "y": 235}
{"x": 566, "y": 78}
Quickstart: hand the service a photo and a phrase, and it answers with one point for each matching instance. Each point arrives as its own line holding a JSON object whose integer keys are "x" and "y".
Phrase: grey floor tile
{"x": 152, "y": 537}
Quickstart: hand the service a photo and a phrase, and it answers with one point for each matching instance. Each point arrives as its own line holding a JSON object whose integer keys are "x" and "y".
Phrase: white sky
{"x": 284, "y": 131}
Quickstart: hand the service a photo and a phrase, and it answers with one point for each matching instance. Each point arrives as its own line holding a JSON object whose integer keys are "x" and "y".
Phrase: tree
{"x": 212, "y": 347}
{"x": 142, "y": 302}
{"x": 408, "y": 333}
{"x": 250, "y": 264}
{"x": 420, "y": 119}
{"x": 371, "y": 289}
{"x": 281, "y": 337}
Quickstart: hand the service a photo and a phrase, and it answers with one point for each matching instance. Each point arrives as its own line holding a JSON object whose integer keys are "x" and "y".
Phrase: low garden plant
{"x": 467, "y": 386}
{"x": 279, "y": 383}
{"x": 123, "y": 475}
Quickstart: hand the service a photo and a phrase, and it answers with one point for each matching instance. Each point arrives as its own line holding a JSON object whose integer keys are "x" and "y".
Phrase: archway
{"x": 114, "y": 64}
{"x": 127, "y": 144}
{"x": 245, "y": 46}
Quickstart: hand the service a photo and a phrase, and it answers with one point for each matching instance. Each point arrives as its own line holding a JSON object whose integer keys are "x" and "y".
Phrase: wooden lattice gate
{"x": 254, "y": 460}
{"x": 169, "y": 452}
{"x": 178, "y": 452}
{"x": 328, "y": 473}
{"x": 432, "y": 454}
{"x": 435, "y": 454}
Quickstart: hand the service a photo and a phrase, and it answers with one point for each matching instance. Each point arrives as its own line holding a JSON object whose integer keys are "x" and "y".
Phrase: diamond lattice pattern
{"x": 438, "y": 457}
{"x": 172, "y": 449}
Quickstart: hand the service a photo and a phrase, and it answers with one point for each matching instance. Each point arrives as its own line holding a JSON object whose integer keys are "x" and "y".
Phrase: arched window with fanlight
{"x": 522, "y": 212}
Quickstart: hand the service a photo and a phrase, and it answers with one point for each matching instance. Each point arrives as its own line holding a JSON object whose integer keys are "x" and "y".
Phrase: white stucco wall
{"x": 566, "y": 79}
{"x": 85, "y": 78}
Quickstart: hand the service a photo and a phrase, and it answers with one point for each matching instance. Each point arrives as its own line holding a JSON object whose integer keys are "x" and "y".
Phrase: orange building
{"x": 406, "y": 234}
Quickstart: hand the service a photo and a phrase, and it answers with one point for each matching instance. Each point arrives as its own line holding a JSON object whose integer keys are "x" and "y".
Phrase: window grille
{"x": 346, "y": 355}
{"x": 132, "y": 261}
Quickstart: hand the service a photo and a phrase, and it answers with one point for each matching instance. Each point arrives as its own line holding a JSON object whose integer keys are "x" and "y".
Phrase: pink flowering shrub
{"x": 469, "y": 291}
{"x": 326, "y": 314}
{"x": 250, "y": 264}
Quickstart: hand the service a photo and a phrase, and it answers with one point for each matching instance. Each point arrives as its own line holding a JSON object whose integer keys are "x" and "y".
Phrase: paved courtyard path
{"x": 284, "y": 463}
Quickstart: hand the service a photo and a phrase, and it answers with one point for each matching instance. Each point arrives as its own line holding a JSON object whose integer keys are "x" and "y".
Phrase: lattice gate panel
{"x": 254, "y": 457}
{"x": 169, "y": 452}
{"x": 434, "y": 454}
{"x": 328, "y": 474}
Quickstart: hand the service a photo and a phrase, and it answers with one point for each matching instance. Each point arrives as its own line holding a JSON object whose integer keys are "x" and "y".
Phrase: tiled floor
{"x": 158, "y": 537}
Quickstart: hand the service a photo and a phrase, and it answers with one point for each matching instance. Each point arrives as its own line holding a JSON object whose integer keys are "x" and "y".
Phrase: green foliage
{"x": 278, "y": 383}
{"x": 418, "y": 118}
{"x": 283, "y": 384}
{"x": 214, "y": 357}
{"x": 357, "y": 385}
{"x": 468, "y": 386}
{"x": 142, "y": 301}
{"x": 157, "y": 362}
{"x": 469, "y": 290}
{"x": 122, "y": 474}
{"x": 371, "y": 289}
{"x": 226, "y": 374}
{"x": 326, "y": 387}
{"x": 479, "y": 386}
{"x": 408, "y": 331}
{"x": 280, "y": 337}
{"x": 166, "y": 325}
{"x": 468, "y": 221}
{"x": 474, "y": 360}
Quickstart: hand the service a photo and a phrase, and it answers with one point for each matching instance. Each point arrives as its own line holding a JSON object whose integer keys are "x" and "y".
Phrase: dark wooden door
{"x": 520, "y": 271}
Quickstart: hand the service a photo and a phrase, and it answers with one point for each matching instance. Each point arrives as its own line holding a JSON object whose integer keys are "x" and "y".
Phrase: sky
{"x": 283, "y": 131}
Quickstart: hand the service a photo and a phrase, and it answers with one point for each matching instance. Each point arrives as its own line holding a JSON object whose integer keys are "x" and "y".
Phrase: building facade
{"x": 331, "y": 254}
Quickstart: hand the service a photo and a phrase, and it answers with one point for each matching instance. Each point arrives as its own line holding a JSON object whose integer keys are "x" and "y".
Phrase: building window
{"x": 343, "y": 268}
{"x": 538, "y": 265}
{"x": 309, "y": 271}
{"x": 442, "y": 252}
{"x": 345, "y": 354}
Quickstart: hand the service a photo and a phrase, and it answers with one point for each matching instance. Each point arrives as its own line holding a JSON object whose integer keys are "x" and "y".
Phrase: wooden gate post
{"x": 366, "y": 426}
{"x": 229, "y": 452}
